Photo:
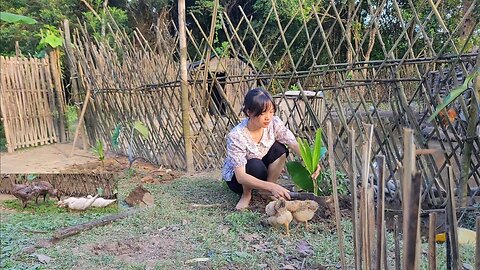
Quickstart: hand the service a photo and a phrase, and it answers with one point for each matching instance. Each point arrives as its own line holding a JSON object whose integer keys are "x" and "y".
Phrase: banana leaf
{"x": 457, "y": 91}
{"x": 300, "y": 175}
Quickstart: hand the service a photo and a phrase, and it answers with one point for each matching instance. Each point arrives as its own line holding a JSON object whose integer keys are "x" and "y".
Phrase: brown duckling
{"x": 23, "y": 192}
{"x": 44, "y": 188}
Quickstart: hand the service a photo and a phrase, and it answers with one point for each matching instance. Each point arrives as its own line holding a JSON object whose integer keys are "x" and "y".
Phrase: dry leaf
{"x": 42, "y": 258}
{"x": 304, "y": 249}
{"x": 197, "y": 260}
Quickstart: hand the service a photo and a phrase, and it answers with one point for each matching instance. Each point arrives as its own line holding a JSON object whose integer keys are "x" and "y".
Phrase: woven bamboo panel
{"x": 27, "y": 102}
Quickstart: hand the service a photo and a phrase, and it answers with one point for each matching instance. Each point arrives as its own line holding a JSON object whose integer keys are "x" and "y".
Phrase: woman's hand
{"x": 316, "y": 173}
{"x": 279, "y": 191}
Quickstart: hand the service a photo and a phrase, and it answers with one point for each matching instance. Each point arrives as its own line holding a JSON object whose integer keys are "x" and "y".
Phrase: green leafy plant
{"x": 456, "y": 92}
{"x": 140, "y": 128}
{"x": 15, "y": 18}
{"x": 311, "y": 155}
{"x": 99, "y": 151}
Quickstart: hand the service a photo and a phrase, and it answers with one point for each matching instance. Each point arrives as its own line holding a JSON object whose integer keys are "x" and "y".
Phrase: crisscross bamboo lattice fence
{"x": 131, "y": 80}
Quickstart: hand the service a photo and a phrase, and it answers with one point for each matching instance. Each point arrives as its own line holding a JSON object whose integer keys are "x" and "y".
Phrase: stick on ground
{"x": 72, "y": 230}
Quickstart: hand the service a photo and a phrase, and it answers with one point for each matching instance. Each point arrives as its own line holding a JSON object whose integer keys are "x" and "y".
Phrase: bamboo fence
{"x": 130, "y": 80}
{"x": 68, "y": 184}
{"x": 31, "y": 101}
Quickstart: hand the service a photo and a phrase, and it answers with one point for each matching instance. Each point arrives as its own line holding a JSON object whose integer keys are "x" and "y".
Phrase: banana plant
{"x": 140, "y": 128}
{"x": 311, "y": 155}
{"x": 456, "y": 92}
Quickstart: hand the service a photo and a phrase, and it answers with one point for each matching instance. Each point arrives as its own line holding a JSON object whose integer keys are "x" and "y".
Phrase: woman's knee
{"x": 256, "y": 168}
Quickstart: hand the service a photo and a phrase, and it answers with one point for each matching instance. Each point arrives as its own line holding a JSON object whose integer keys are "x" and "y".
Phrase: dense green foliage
{"x": 295, "y": 14}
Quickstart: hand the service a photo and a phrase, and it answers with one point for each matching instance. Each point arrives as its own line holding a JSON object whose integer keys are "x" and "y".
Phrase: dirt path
{"x": 43, "y": 159}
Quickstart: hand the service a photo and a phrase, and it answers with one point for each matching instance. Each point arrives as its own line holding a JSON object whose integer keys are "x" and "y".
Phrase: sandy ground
{"x": 43, "y": 159}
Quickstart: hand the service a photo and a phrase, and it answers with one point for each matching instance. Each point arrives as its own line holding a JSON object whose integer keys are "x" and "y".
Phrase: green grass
{"x": 169, "y": 234}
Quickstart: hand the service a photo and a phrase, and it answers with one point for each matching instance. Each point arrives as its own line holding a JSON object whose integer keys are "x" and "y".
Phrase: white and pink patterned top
{"x": 241, "y": 147}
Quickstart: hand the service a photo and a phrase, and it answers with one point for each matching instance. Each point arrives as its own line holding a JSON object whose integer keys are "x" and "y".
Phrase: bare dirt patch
{"x": 43, "y": 159}
{"x": 146, "y": 249}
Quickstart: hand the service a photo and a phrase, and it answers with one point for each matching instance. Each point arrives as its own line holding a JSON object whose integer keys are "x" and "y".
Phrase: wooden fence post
{"x": 184, "y": 87}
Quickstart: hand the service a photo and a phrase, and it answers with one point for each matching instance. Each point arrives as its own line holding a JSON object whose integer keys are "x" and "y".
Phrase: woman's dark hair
{"x": 257, "y": 101}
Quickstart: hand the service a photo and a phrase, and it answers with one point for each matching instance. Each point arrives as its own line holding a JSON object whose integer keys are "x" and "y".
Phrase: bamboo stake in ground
{"x": 380, "y": 212}
{"x": 353, "y": 190}
{"x": 411, "y": 225}
{"x": 452, "y": 221}
{"x": 331, "y": 162}
{"x": 477, "y": 249}
{"x": 408, "y": 194}
{"x": 364, "y": 210}
{"x": 432, "y": 259}
{"x": 184, "y": 86}
{"x": 396, "y": 225}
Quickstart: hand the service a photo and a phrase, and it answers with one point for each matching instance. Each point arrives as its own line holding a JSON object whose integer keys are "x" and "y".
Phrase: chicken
{"x": 44, "y": 188}
{"x": 77, "y": 203}
{"x": 302, "y": 211}
{"x": 278, "y": 214}
{"x": 23, "y": 192}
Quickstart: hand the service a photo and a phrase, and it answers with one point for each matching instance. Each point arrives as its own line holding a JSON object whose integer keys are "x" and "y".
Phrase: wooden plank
{"x": 333, "y": 171}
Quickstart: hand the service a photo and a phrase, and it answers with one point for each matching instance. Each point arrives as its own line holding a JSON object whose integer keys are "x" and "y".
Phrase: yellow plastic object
{"x": 465, "y": 237}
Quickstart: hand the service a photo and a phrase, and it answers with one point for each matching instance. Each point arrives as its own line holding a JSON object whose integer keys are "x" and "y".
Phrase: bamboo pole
{"x": 432, "y": 258}
{"x": 184, "y": 86}
{"x": 396, "y": 236}
{"x": 364, "y": 210}
{"x": 380, "y": 212}
{"x": 73, "y": 77}
{"x": 477, "y": 245}
{"x": 331, "y": 162}
{"x": 55, "y": 68}
{"x": 354, "y": 192}
{"x": 410, "y": 203}
{"x": 452, "y": 222}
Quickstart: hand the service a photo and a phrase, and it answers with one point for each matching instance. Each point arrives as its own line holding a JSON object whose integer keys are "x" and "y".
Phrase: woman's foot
{"x": 243, "y": 202}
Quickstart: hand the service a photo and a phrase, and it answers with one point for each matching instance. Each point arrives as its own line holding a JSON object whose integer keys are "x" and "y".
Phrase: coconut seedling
{"x": 311, "y": 155}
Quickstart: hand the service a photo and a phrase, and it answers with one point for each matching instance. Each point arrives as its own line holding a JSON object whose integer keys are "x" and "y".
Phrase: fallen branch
{"x": 69, "y": 231}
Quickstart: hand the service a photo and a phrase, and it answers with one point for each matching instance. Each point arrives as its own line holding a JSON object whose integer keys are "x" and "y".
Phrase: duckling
{"x": 23, "y": 192}
{"x": 44, "y": 188}
{"x": 101, "y": 202}
{"x": 278, "y": 214}
{"x": 80, "y": 204}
